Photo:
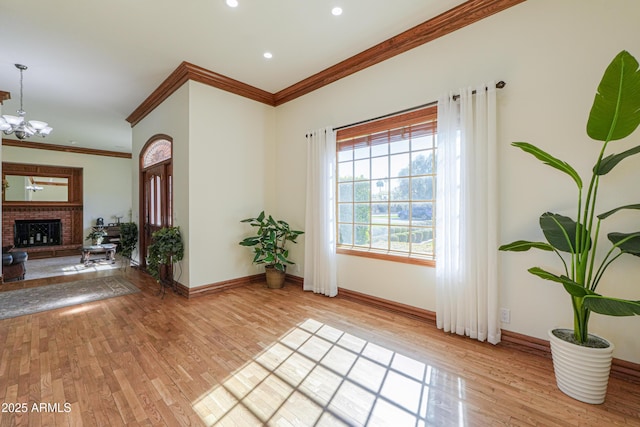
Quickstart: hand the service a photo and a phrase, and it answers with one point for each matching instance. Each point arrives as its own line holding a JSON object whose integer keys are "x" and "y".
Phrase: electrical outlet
{"x": 505, "y": 315}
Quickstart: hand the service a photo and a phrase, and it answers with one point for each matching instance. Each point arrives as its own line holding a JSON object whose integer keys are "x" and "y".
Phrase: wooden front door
{"x": 156, "y": 190}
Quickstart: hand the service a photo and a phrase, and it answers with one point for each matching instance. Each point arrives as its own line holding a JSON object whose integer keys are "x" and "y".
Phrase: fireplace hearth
{"x": 39, "y": 232}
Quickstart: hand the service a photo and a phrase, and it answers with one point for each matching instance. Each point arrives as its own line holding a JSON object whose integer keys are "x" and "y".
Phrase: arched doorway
{"x": 156, "y": 189}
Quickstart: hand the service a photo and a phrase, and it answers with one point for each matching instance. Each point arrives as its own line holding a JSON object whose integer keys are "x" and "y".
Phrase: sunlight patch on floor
{"x": 319, "y": 375}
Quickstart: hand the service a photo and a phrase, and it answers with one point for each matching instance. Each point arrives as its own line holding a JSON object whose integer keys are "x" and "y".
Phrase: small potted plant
{"x": 96, "y": 236}
{"x": 581, "y": 360}
{"x": 128, "y": 239}
{"x": 269, "y": 246}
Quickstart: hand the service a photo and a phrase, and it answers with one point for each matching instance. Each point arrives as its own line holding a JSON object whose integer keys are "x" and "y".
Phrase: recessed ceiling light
{"x": 232, "y": 3}
{"x": 268, "y": 55}
{"x": 336, "y": 11}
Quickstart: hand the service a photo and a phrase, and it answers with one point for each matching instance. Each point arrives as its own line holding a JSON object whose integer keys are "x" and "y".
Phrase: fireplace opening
{"x": 40, "y": 232}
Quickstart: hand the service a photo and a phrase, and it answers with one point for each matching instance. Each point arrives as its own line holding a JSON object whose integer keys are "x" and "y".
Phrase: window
{"x": 158, "y": 151}
{"x": 386, "y": 188}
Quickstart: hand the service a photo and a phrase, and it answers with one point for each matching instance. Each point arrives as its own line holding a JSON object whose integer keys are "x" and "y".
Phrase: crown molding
{"x": 54, "y": 147}
{"x": 187, "y": 71}
{"x": 454, "y": 19}
{"x": 4, "y": 96}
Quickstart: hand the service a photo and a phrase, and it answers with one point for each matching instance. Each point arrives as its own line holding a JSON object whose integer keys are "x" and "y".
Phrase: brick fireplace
{"x": 70, "y": 218}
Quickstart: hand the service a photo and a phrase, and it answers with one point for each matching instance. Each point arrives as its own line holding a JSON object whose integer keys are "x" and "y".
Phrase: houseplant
{"x": 167, "y": 249}
{"x": 96, "y": 236}
{"x": 615, "y": 114}
{"x": 128, "y": 239}
{"x": 269, "y": 246}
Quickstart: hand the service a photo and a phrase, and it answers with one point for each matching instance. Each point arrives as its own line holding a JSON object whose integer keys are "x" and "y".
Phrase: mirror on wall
{"x": 41, "y": 185}
{"x": 18, "y": 188}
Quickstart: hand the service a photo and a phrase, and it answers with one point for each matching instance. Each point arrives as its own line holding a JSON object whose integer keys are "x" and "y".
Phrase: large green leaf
{"x": 570, "y": 286}
{"x": 615, "y": 113}
{"x": 612, "y": 211}
{"x": 612, "y": 306}
{"x": 612, "y": 160}
{"x": 560, "y": 231}
{"x": 630, "y": 242}
{"x": 524, "y": 245}
{"x": 548, "y": 159}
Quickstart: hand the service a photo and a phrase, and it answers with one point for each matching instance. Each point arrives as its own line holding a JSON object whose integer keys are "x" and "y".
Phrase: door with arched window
{"x": 156, "y": 189}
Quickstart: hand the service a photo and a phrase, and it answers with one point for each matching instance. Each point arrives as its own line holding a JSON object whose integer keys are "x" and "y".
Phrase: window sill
{"x": 387, "y": 256}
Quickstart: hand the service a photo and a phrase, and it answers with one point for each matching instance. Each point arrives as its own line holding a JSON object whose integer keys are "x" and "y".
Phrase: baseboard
{"x": 213, "y": 288}
{"x": 623, "y": 369}
{"x": 396, "y": 307}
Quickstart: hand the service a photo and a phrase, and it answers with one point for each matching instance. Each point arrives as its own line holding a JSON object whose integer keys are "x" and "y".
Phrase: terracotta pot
{"x": 581, "y": 372}
{"x": 275, "y": 278}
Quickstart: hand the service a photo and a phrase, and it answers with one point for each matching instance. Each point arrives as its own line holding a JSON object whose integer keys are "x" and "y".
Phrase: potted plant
{"x": 167, "y": 249}
{"x": 128, "y": 239}
{"x": 615, "y": 114}
{"x": 96, "y": 236}
{"x": 269, "y": 246}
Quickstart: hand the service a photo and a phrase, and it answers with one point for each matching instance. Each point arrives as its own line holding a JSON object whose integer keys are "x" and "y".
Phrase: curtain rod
{"x": 499, "y": 85}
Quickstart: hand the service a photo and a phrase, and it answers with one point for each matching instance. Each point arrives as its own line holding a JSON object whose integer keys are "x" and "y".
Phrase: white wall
{"x": 106, "y": 180}
{"x": 552, "y": 55}
{"x": 229, "y": 138}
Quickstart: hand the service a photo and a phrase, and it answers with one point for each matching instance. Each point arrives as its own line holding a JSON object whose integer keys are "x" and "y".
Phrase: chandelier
{"x": 18, "y": 125}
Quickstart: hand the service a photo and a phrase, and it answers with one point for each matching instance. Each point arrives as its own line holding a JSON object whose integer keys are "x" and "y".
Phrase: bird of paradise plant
{"x": 615, "y": 114}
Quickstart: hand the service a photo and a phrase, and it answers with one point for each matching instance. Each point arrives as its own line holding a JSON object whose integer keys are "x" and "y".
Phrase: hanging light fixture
{"x": 18, "y": 125}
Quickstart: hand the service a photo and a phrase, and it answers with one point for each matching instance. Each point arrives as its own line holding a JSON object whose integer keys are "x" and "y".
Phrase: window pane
{"x": 345, "y": 171}
{"x": 362, "y": 213}
{"x": 345, "y": 234}
{"x": 422, "y": 188}
{"x": 362, "y": 235}
{"x": 345, "y": 155}
{"x": 399, "y": 146}
{"x": 345, "y": 192}
{"x": 380, "y": 189}
{"x": 399, "y": 238}
{"x": 421, "y": 213}
{"x": 399, "y": 189}
{"x": 361, "y": 169}
{"x": 400, "y": 214}
{"x": 421, "y": 143}
{"x": 399, "y": 165}
{"x": 379, "y": 237}
{"x": 380, "y": 167}
{"x": 345, "y": 212}
{"x": 422, "y": 241}
{"x": 422, "y": 162}
{"x": 361, "y": 153}
{"x": 379, "y": 150}
{"x": 362, "y": 191}
{"x": 380, "y": 213}
{"x": 157, "y": 152}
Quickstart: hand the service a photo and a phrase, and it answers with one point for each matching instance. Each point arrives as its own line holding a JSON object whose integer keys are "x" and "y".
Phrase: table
{"x": 108, "y": 248}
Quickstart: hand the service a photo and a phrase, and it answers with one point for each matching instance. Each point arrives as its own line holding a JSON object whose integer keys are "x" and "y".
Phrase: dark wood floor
{"x": 255, "y": 356}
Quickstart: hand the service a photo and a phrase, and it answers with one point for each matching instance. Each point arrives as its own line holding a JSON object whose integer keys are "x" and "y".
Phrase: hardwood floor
{"x": 255, "y": 356}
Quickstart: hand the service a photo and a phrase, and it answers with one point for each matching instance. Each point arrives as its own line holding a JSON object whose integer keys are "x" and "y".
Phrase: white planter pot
{"x": 581, "y": 372}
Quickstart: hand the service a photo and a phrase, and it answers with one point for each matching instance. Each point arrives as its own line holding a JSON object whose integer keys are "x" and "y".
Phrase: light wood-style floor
{"x": 254, "y": 356}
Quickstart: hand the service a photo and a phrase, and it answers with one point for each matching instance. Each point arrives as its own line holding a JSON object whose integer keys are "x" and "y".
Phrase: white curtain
{"x": 466, "y": 215}
{"x": 320, "y": 250}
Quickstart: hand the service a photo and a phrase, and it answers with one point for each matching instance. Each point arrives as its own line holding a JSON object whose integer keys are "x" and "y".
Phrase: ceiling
{"x": 92, "y": 63}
